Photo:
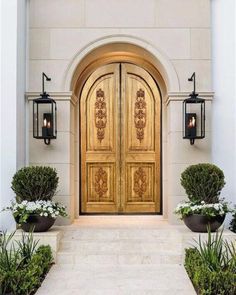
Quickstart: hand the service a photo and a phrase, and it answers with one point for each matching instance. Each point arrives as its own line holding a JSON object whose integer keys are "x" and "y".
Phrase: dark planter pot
{"x": 38, "y": 223}
{"x": 17, "y": 219}
{"x": 200, "y": 223}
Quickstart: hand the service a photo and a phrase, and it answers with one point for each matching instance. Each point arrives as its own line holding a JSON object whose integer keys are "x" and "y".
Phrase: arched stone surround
{"x": 121, "y": 52}
{"x": 154, "y": 55}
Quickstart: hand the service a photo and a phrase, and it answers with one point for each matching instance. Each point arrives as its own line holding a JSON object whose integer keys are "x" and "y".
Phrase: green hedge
{"x": 206, "y": 281}
{"x": 25, "y": 280}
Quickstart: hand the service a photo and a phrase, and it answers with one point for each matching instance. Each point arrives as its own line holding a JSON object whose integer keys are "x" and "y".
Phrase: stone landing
{"x": 120, "y": 255}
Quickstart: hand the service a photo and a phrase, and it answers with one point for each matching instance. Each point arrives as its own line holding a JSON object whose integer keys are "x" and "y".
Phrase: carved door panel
{"x": 100, "y": 156}
{"x": 140, "y": 141}
{"x": 120, "y": 141}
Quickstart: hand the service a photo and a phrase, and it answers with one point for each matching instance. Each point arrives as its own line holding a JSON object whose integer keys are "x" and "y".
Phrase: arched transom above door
{"x": 120, "y": 128}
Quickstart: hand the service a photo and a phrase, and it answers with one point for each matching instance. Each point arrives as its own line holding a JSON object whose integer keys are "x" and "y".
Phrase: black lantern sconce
{"x": 44, "y": 116}
{"x": 193, "y": 115}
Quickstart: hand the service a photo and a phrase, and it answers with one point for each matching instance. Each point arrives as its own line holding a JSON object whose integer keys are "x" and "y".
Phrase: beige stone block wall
{"x": 183, "y": 13}
{"x": 56, "y": 13}
{"x": 59, "y": 30}
{"x": 200, "y": 43}
{"x": 112, "y": 13}
{"x": 180, "y": 29}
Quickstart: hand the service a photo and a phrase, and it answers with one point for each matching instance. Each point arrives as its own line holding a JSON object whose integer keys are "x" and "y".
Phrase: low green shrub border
{"x": 23, "y": 269}
{"x": 206, "y": 281}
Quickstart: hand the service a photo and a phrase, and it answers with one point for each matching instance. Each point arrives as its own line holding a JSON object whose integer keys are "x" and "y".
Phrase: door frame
{"x": 116, "y": 53}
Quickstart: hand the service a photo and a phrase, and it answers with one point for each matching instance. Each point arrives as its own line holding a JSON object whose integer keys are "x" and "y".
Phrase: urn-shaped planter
{"x": 38, "y": 223}
{"x": 200, "y": 223}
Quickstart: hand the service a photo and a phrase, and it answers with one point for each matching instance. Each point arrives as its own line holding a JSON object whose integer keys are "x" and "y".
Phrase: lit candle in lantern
{"x": 44, "y": 128}
{"x": 49, "y": 129}
{"x": 191, "y": 130}
{"x": 191, "y": 122}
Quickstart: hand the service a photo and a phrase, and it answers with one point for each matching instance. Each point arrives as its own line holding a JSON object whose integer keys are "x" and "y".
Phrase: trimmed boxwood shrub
{"x": 203, "y": 182}
{"x": 206, "y": 281}
{"x": 35, "y": 183}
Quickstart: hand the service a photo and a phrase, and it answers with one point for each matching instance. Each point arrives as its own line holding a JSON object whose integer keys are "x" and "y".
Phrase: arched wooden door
{"x": 120, "y": 128}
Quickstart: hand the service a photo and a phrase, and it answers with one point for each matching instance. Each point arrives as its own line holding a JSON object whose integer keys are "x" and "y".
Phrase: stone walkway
{"x": 119, "y": 255}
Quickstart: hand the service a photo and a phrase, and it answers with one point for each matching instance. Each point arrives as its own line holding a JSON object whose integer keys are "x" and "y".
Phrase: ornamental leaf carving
{"x": 100, "y": 114}
{"x": 140, "y": 182}
{"x": 140, "y": 114}
{"x": 101, "y": 182}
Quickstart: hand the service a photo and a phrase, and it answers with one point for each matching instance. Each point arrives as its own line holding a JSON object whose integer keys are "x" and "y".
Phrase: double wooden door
{"x": 120, "y": 119}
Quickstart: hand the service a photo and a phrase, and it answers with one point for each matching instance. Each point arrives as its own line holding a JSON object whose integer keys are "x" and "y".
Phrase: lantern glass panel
{"x": 194, "y": 119}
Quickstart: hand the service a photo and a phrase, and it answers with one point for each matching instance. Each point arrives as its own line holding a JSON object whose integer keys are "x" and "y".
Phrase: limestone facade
{"x": 176, "y": 32}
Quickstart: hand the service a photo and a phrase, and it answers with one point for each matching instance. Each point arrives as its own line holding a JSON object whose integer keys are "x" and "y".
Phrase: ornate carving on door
{"x": 140, "y": 114}
{"x": 120, "y": 115}
{"x": 100, "y": 182}
{"x": 140, "y": 182}
{"x": 100, "y": 114}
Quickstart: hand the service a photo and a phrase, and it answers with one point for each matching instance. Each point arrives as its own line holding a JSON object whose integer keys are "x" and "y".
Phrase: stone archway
{"x": 159, "y": 60}
{"x": 106, "y": 54}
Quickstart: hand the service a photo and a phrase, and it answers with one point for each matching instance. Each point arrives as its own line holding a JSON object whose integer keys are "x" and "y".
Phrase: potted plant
{"x": 33, "y": 207}
{"x": 233, "y": 221}
{"x": 203, "y": 184}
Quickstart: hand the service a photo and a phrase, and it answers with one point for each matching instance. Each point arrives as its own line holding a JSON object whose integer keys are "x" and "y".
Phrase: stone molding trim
{"x": 70, "y": 96}
{"x": 163, "y": 63}
{"x": 58, "y": 96}
{"x": 180, "y": 96}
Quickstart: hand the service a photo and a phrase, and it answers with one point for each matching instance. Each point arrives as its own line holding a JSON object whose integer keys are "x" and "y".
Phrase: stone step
{"x": 117, "y": 279}
{"x": 117, "y": 234}
{"x": 121, "y": 246}
{"x": 74, "y": 258}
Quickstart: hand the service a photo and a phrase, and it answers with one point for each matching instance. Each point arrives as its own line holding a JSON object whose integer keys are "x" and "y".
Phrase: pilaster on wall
{"x": 180, "y": 154}
{"x": 60, "y": 154}
{"x": 11, "y": 84}
{"x": 224, "y": 77}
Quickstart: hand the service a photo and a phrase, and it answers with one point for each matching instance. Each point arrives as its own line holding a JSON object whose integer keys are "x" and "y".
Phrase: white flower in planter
{"x": 23, "y": 210}
{"x": 188, "y": 208}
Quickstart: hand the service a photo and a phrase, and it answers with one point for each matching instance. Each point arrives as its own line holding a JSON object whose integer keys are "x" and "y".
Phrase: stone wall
{"x": 59, "y": 30}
